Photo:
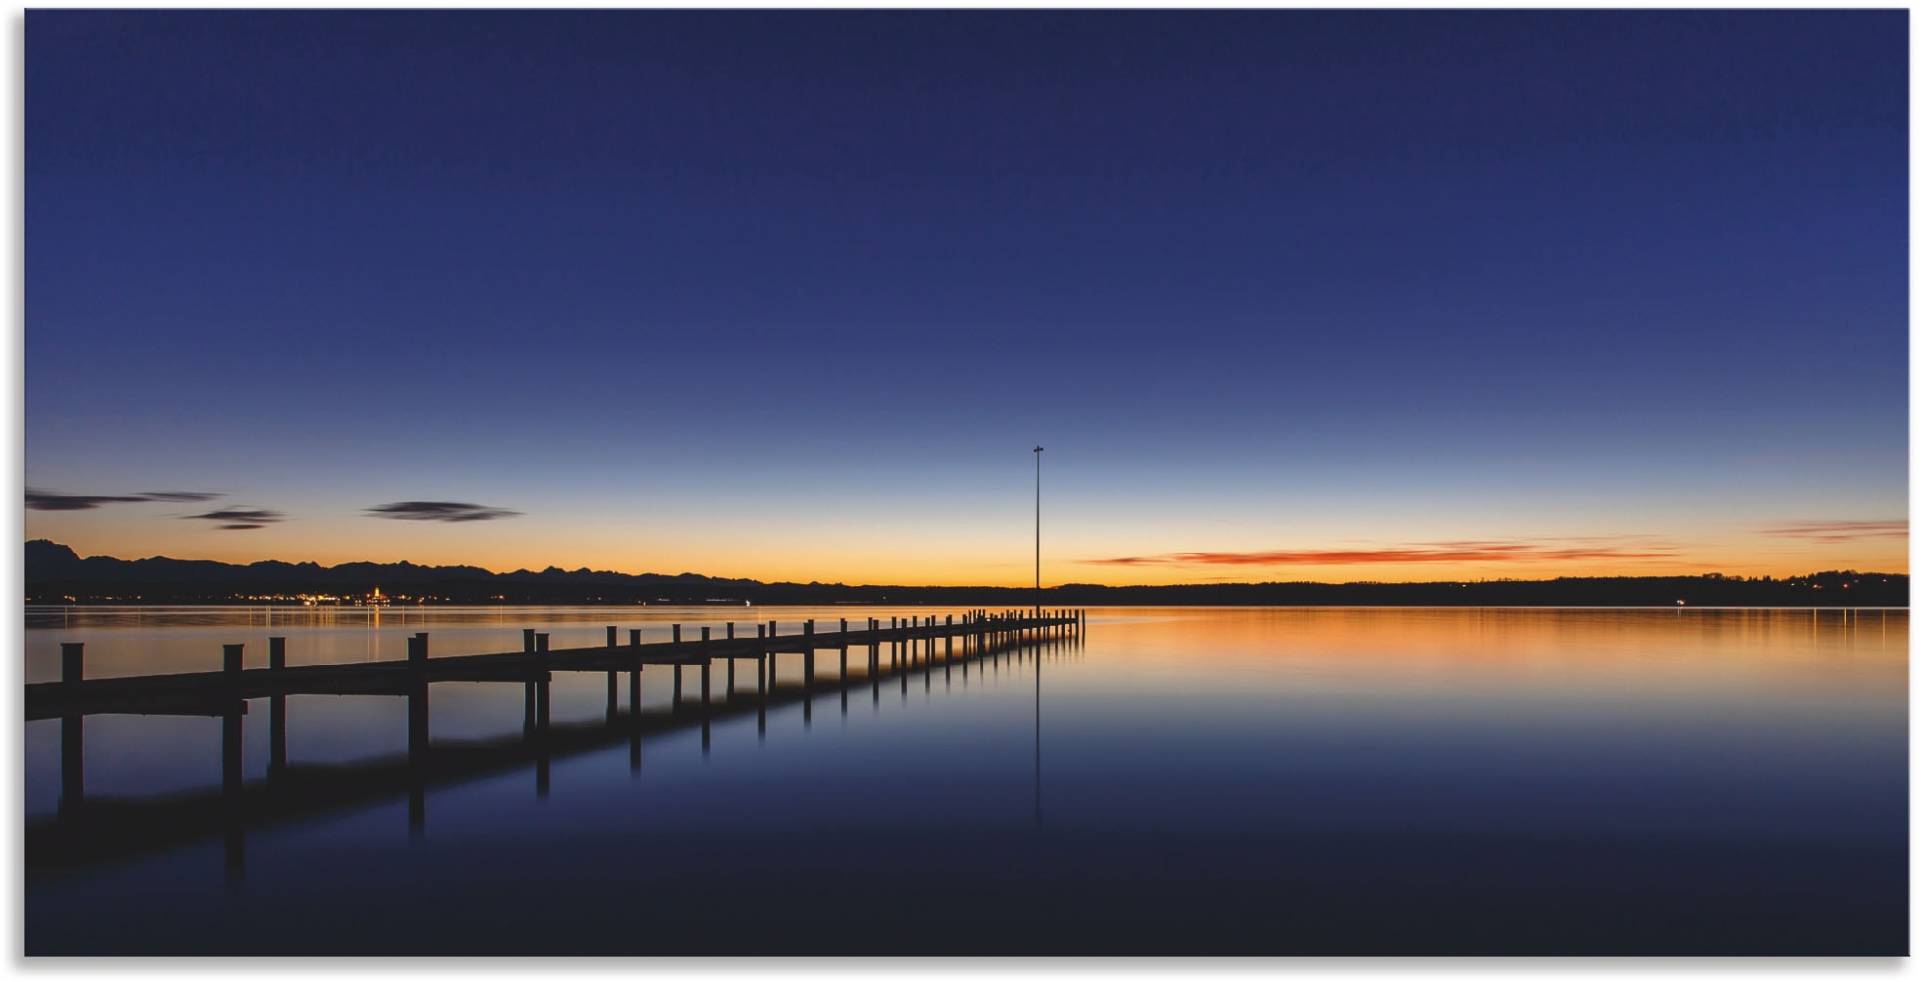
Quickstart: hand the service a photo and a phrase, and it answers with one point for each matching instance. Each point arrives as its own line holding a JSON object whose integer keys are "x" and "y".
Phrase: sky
{"x": 1286, "y": 295}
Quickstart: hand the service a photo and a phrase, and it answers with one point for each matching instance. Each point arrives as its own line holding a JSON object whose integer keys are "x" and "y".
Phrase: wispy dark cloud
{"x": 178, "y": 496}
{"x": 1466, "y": 551}
{"x": 40, "y": 500}
{"x": 439, "y": 511}
{"x": 239, "y": 519}
{"x": 1837, "y": 532}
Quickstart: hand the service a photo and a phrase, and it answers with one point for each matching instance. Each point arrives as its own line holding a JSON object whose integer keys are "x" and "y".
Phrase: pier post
{"x": 72, "y": 663}
{"x": 234, "y": 832}
{"x": 760, "y": 681}
{"x": 543, "y": 718}
{"x": 806, "y": 679}
{"x": 417, "y": 748}
{"x": 526, "y": 727}
{"x": 633, "y": 676}
{"x": 230, "y": 723}
{"x": 526, "y": 647}
{"x": 417, "y": 723}
{"x": 276, "y": 712}
{"x": 613, "y": 677}
{"x": 73, "y": 759}
{"x": 543, "y": 702}
{"x": 760, "y": 664}
{"x": 677, "y": 680}
{"x": 706, "y": 669}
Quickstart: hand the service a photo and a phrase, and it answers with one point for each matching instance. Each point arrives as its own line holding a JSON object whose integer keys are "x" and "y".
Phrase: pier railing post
{"x": 543, "y": 703}
{"x": 676, "y": 668}
{"x": 73, "y": 757}
{"x": 72, "y": 662}
{"x": 760, "y": 664}
{"x": 276, "y": 711}
{"x": 613, "y": 676}
{"x": 231, "y": 762}
{"x": 633, "y": 676}
{"x": 230, "y": 721}
{"x": 417, "y": 738}
{"x": 806, "y": 679}
{"x": 526, "y": 647}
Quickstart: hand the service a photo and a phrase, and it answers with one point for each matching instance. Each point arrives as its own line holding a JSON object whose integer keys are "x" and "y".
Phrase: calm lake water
{"x": 1177, "y": 780}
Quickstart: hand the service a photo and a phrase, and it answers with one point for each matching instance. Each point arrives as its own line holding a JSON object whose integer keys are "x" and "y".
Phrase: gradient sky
{"x": 1287, "y": 295}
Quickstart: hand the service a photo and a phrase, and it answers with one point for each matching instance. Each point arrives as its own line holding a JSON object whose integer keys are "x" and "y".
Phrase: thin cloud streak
{"x": 1467, "y": 551}
{"x": 238, "y": 519}
{"x": 1837, "y": 532}
{"x": 439, "y": 511}
{"x": 178, "y": 496}
{"x": 41, "y": 500}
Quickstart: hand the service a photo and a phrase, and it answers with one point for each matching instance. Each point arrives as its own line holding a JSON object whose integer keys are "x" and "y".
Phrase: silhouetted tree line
{"x": 54, "y": 574}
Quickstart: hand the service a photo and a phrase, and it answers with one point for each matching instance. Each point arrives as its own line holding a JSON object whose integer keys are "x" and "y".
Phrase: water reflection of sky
{"x": 1400, "y": 748}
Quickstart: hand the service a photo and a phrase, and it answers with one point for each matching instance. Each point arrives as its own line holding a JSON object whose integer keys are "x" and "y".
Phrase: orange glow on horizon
{"x": 963, "y": 560}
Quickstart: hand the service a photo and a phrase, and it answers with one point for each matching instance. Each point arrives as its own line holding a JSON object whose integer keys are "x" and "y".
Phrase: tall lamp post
{"x": 1036, "y": 531}
{"x": 1036, "y": 658}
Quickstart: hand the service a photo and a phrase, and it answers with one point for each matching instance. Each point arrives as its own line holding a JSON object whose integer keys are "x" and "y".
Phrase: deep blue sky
{"x": 795, "y": 293}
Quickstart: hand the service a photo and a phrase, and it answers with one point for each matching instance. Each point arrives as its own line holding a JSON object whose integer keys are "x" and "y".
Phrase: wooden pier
{"x": 86, "y": 831}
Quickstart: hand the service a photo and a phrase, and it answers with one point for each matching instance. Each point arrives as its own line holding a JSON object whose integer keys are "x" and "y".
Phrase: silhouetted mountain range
{"x": 55, "y": 574}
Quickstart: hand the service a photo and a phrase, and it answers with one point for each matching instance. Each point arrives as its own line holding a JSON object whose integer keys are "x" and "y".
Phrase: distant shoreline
{"x": 55, "y": 575}
{"x": 40, "y": 607}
